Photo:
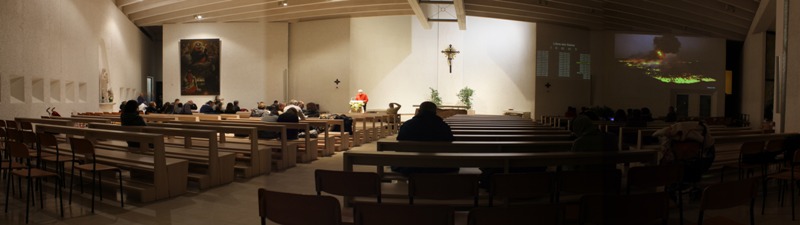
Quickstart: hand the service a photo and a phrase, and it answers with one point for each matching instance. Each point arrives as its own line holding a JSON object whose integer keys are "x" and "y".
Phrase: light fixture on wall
{"x": 198, "y": 17}
{"x": 283, "y": 3}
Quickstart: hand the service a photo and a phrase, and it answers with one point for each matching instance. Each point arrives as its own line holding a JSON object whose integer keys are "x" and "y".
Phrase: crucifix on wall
{"x": 450, "y": 53}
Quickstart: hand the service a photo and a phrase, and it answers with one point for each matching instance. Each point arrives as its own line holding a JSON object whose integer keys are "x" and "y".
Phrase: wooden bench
{"x": 512, "y": 137}
{"x": 152, "y": 176}
{"x": 216, "y": 168}
{"x": 284, "y": 153}
{"x": 306, "y": 146}
{"x": 342, "y": 138}
{"x": 475, "y": 146}
{"x": 509, "y": 132}
{"x": 252, "y": 159}
{"x": 490, "y": 160}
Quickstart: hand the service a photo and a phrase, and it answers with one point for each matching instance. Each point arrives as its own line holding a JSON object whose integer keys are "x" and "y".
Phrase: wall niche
{"x": 17, "y": 85}
{"x": 55, "y": 91}
{"x": 69, "y": 92}
{"x": 37, "y": 90}
{"x": 82, "y": 92}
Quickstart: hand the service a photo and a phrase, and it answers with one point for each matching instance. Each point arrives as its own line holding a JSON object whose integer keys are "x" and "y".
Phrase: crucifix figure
{"x": 450, "y": 53}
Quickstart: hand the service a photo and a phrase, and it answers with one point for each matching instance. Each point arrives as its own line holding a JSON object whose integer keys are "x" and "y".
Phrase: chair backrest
{"x": 83, "y": 147}
{"x": 297, "y": 209}
{"x": 521, "y": 185}
{"x": 393, "y": 214}
{"x": 29, "y": 138}
{"x": 356, "y": 184}
{"x": 17, "y": 150}
{"x": 10, "y": 124}
{"x": 547, "y": 214}
{"x": 443, "y": 186}
{"x": 625, "y": 209}
{"x": 654, "y": 176}
{"x": 589, "y": 182}
{"x": 26, "y": 126}
{"x": 729, "y": 194}
{"x": 13, "y": 135}
{"x": 751, "y": 148}
{"x": 774, "y": 146}
{"x": 48, "y": 141}
{"x": 2, "y": 123}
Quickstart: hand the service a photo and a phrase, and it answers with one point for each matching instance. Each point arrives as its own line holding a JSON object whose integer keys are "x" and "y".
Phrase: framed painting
{"x": 200, "y": 70}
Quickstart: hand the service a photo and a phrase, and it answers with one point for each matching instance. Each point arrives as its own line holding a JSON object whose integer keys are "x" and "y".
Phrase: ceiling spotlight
{"x": 283, "y": 3}
{"x": 198, "y": 17}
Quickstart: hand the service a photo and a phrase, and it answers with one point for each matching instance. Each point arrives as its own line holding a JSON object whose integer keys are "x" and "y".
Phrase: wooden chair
{"x": 26, "y": 126}
{"x": 787, "y": 177}
{"x": 443, "y": 187}
{"x": 652, "y": 177}
{"x": 748, "y": 151}
{"x": 47, "y": 140}
{"x": 20, "y": 151}
{"x": 726, "y": 195}
{"x": 291, "y": 209}
{"x": 355, "y": 184}
{"x": 349, "y": 184}
{"x": 393, "y": 214}
{"x": 86, "y": 148}
{"x": 6, "y": 165}
{"x": 521, "y": 185}
{"x": 636, "y": 209}
{"x": 547, "y": 214}
{"x": 10, "y": 124}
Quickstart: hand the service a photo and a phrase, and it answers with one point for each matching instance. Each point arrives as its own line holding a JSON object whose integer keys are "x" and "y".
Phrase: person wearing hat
{"x": 362, "y": 97}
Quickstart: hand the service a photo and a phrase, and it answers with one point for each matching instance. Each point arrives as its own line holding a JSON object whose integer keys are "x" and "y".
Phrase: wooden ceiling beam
{"x": 673, "y": 17}
{"x": 421, "y": 17}
{"x": 123, "y": 3}
{"x": 675, "y": 26}
{"x": 524, "y": 12}
{"x": 461, "y": 14}
{"x": 747, "y": 5}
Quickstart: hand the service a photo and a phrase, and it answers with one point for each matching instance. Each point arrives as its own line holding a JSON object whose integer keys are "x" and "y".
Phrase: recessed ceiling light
{"x": 198, "y": 17}
{"x": 283, "y": 3}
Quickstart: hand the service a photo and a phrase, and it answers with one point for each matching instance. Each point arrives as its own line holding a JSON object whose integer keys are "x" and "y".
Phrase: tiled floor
{"x": 235, "y": 203}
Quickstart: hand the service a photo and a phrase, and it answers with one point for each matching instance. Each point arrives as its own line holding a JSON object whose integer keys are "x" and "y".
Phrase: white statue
{"x": 105, "y": 92}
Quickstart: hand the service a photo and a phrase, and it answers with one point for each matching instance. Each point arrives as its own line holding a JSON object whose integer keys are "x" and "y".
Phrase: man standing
{"x": 362, "y": 97}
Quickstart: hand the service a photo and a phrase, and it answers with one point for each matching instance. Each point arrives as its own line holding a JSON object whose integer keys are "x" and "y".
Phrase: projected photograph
{"x": 666, "y": 58}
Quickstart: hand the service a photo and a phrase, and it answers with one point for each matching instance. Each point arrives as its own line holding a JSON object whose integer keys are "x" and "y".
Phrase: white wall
{"x": 318, "y": 55}
{"x": 246, "y": 74}
{"x": 59, "y": 43}
{"x": 399, "y": 60}
{"x": 563, "y": 91}
{"x": 753, "y": 77}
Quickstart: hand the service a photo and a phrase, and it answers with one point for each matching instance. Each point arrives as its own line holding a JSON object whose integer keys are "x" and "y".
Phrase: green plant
{"x": 465, "y": 96}
{"x": 435, "y": 97}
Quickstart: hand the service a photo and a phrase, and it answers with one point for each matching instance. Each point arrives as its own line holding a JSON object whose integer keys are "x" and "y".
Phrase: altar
{"x": 445, "y": 111}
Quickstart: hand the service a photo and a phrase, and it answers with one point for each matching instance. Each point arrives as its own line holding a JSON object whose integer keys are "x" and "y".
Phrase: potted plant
{"x": 435, "y": 97}
{"x": 465, "y": 96}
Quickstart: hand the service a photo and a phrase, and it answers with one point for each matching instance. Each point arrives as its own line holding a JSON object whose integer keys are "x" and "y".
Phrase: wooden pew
{"x": 490, "y": 160}
{"x": 475, "y": 146}
{"x": 284, "y": 153}
{"x": 153, "y": 176}
{"x": 342, "y": 137}
{"x": 252, "y": 159}
{"x": 512, "y": 137}
{"x": 216, "y": 167}
{"x": 509, "y": 132}
{"x": 306, "y": 146}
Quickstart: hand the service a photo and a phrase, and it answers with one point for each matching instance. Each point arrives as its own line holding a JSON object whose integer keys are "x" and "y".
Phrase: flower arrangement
{"x": 356, "y": 106}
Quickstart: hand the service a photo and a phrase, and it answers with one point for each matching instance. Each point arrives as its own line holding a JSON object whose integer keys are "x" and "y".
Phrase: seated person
{"x": 151, "y": 108}
{"x": 207, "y": 108}
{"x": 269, "y": 116}
{"x": 290, "y": 116}
{"x": 590, "y": 139}
{"x": 230, "y": 109}
{"x": 312, "y": 109}
{"x": 393, "y": 108}
{"x": 130, "y": 117}
{"x": 294, "y": 104}
{"x": 425, "y": 126}
{"x": 259, "y": 110}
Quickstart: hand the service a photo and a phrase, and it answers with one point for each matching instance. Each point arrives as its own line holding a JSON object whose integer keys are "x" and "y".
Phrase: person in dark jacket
{"x": 207, "y": 108}
{"x": 230, "y": 109}
{"x": 130, "y": 117}
{"x": 290, "y": 116}
{"x": 425, "y": 126}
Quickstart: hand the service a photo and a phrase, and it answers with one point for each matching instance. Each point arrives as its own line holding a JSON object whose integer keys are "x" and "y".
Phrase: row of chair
{"x": 22, "y": 148}
{"x": 647, "y": 208}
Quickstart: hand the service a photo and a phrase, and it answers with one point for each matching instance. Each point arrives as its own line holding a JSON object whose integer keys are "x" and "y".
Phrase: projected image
{"x": 666, "y": 58}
